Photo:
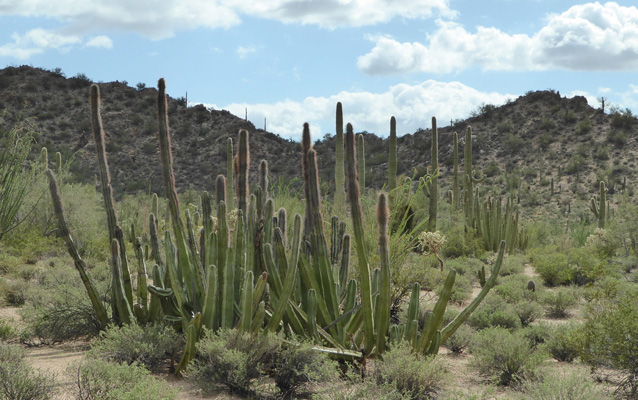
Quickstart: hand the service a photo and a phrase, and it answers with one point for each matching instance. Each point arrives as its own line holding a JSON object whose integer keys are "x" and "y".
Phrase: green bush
{"x": 552, "y": 266}
{"x": 18, "y": 380}
{"x": 102, "y": 380}
{"x": 528, "y": 311}
{"x": 559, "y": 385}
{"x": 149, "y": 345}
{"x": 565, "y": 342}
{"x": 413, "y": 376}
{"x": 537, "y": 334}
{"x": 558, "y": 302}
{"x": 513, "y": 289}
{"x": 494, "y": 311}
{"x": 7, "y": 331}
{"x": 233, "y": 359}
{"x": 610, "y": 336}
{"x": 504, "y": 357}
{"x": 297, "y": 366}
{"x": 460, "y": 339}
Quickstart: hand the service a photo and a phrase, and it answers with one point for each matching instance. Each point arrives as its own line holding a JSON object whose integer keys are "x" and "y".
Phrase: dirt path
{"x": 56, "y": 360}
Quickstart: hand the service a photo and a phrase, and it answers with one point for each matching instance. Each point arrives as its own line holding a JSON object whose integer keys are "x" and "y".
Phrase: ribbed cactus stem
{"x": 230, "y": 199}
{"x": 340, "y": 194}
{"x": 357, "y": 222}
{"x": 242, "y": 161}
{"x": 44, "y": 158}
{"x": 382, "y": 311}
{"x": 58, "y": 162}
{"x": 392, "y": 160}
{"x": 434, "y": 182}
{"x": 103, "y": 165}
{"x": 598, "y": 206}
{"x": 263, "y": 181}
{"x": 64, "y": 233}
{"x": 361, "y": 162}
{"x": 456, "y": 201}
{"x": 220, "y": 189}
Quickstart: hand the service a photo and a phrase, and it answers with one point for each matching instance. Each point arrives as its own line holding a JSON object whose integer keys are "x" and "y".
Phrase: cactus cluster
{"x": 240, "y": 269}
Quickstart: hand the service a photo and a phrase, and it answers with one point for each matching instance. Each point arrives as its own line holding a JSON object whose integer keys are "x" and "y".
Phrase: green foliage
{"x": 622, "y": 119}
{"x": 504, "y": 357}
{"x": 15, "y": 180}
{"x": 297, "y": 366}
{"x": 513, "y": 143}
{"x": 578, "y": 265}
{"x": 414, "y": 377}
{"x": 233, "y": 359}
{"x": 575, "y": 164}
{"x": 460, "y": 340}
{"x": 102, "y": 380}
{"x": 617, "y": 138}
{"x": 570, "y": 116}
{"x": 149, "y": 345}
{"x": 7, "y": 331}
{"x": 495, "y": 312}
{"x": 565, "y": 342}
{"x": 18, "y": 380}
{"x": 558, "y": 302}
{"x": 504, "y": 127}
{"x": 491, "y": 169}
{"x": 610, "y": 336}
{"x": 583, "y": 126}
{"x": 561, "y": 385}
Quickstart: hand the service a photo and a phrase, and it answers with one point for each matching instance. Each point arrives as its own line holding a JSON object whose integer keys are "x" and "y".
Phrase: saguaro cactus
{"x": 598, "y": 206}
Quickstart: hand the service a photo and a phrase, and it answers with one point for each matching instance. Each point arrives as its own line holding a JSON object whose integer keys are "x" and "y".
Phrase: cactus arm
{"x": 96, "y": 302}
{"x": 357, "y": 223}
{"x": 434, "y": 180}
{"x": 124, "y": 311}
{"x": 210, "y": 300}
{"x": 142, "y": 289}
{"x": 382, "y": 310}
{"x": 340, "y": 194}
{"x": 361, "y": 162}
{"x": 392, "y": 159}
{"x": 465, "y": 314}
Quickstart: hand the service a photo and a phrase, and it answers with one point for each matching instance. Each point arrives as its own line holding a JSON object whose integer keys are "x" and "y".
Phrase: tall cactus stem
{"x": 434, "y": 181}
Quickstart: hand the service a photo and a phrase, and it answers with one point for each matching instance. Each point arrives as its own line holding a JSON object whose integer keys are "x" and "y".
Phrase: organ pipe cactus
{"x": 230, "y": 197}
{"x": 469, "y": 176}
{"x": 434, "y": 181}
{"x": 361, "y": 160}
{"x": 392, "y": 159}
{"x": 340, "y": 194}
{"x": 598, "y": 206}
{"x": 456, "y": 201}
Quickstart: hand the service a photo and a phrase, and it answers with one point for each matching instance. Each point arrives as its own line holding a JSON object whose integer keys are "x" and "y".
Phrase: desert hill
{"x": 521, "y": 146}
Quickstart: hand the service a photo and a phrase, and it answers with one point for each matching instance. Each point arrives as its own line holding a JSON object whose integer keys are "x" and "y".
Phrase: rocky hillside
{"x": 521, "y": 146}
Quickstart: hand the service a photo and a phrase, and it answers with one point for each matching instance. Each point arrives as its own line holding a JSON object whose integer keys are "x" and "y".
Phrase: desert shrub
{"x": 513, "y": 264}
{"x": 7, "y": 331}
{"x": 610, "y": 336}
{"x": 460, "y": 339}
{"x": 15, "y": 293}
{"x": 583, "y": 126}
{"x": 467, "y": 267}
{"x": 458, "y": 243}
{"x": 570, "y": 116}
{"x": 494, "y": 311}
{"x": 575, "y": 164}
{"x": 552, "y": 266}
{"x": 415, "y": 377}
{"x": 505, "y": 357}
{"x": 558, "y": 302}
{"x": 617, "y": 138}
{"x": 461, "y": 291}
{"x": 603, "y": 242}
{"x": 565, "y": 342}
{"x": 102, "y": 380}
{"x": 148, "y": 345}
{"x": 513, "y": 289}
{"x": 233, "y": 359}
{"x": 297, "y": 365}
{"x": 537, "y": 334}
{"x": 559, "y": 385}
{"x": 18, "y": 380}
{"x": 491, "y": 169}
{"x": 528, "y": 311}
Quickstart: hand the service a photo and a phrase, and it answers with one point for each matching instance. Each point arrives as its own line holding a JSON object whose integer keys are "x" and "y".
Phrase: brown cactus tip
{"x": 94, "y": 94}
{"x": 306, "y": 140}
{"x": 161, "y": 85}
{"x": 383, "y": 212}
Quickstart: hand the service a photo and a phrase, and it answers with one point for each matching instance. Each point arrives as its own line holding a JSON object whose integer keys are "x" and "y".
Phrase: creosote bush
{"x": 103, "y": 380}
{"x": 559, "y": 385}
{"x": 149, "y": 345}
{"x": 18, "y": 380}
{"x": 414, "y": 377}
{"x": 505, "y": 358}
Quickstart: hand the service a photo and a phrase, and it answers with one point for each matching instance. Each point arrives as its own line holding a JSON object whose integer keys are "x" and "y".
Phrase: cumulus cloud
{"x": 100, "y": 41}
{"x": 591, "y": 36}
{"x": 412, "y": 105}
{"x": 37, "y": 41}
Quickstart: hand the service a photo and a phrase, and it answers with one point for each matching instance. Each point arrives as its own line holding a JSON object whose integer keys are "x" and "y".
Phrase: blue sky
{"x": 290, "y": 61}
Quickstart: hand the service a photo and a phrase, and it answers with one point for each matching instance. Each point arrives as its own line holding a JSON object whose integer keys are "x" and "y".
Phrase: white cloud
{"x": 339, "y": 13}
{"x": 244, "y": 51}
{"x": 100, "y": 41}
{"x": 412, "y": 105}
{"x": 37, "y": 41}
{"x": 159, "y": 19}
{"x": 591, "y": 36}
